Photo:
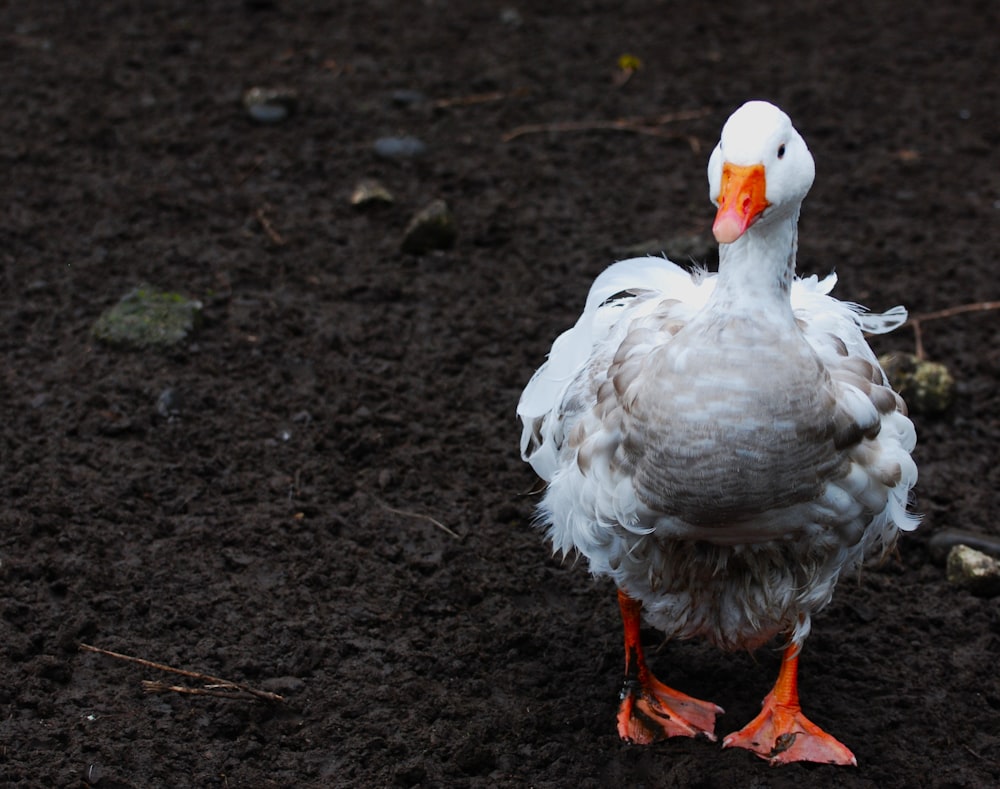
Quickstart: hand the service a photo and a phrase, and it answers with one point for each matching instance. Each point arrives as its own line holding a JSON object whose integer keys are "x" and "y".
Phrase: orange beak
{"x": 741, "y": 200}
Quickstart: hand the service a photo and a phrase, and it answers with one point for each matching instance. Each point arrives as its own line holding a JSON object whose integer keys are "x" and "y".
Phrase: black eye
{"x": 781, "y": 151}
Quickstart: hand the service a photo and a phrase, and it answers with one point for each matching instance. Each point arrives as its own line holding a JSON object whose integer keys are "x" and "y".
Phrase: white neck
{"x": 756, "y": 270}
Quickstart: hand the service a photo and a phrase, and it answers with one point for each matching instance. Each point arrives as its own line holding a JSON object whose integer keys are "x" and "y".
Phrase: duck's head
{"x": 760, "y": 171}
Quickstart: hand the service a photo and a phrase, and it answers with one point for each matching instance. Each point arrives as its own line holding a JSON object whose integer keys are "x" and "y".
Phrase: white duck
{"x": 723, "y": 446}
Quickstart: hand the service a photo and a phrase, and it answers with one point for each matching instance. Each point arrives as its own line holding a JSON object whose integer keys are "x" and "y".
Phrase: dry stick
{"x": 916, "y": 320}
{"x": 208, "y": 679}
{"x": 640, "y": 125}
{"x": 265, "y": 223}
{"x": 217, "y": 691}
{"x": 408, "y": 514}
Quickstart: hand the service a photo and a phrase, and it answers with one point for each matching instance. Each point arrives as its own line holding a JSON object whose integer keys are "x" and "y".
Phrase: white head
{"x": 760, "y": 170}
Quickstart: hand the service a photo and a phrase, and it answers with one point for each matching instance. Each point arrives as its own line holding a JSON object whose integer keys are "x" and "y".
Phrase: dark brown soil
{"x": 273, "y": 526}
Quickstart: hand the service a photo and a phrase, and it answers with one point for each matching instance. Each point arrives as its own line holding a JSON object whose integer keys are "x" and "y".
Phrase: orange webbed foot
{"x": 781, "y": 733}
{"x": 651, "y": 711}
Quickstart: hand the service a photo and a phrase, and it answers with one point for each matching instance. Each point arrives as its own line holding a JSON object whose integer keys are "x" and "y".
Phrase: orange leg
{"x": 781, "y": 733}
{"x": 649, "y": 710}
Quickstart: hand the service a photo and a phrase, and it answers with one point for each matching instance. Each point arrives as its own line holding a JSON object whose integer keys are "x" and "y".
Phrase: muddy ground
{"x": 272, "y": 523}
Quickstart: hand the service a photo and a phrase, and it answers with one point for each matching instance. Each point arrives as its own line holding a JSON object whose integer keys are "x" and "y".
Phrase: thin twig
{"x": 977, "y": 755}
{"x": 208, "y": 679}
{"x": 638, "y": 124}
{"x": 916, "y": 320}
{"x": 408, "y": 514}
{"x": 216, "y": 691}
{"x": 479, "y": 98}
{"x": 979, "y": 306}
{"x": 265, "y": 223}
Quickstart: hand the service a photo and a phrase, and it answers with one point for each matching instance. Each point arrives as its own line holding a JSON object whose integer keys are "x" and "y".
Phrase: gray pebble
{"x": 405, "y": 97}
{"x": 399, "y": 147}
{"x": 270, "y": 105}
{"x": 168, "y": 404}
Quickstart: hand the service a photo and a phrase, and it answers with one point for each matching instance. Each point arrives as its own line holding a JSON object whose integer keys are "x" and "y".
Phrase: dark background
{"x": 250, "y": 535}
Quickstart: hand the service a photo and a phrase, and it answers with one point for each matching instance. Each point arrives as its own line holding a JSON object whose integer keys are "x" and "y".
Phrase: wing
{"x": 567, "y": 384}
{"x": 871, "y": 421}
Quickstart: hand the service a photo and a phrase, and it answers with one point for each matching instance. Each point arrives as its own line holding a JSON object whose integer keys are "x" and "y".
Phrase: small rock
{"x": 431, "y": 228}
{"x": 270, "y": 105}
{"x": 146, "y": 318}
{"x": 169, "y": 403}
{"x": 93, "y": 774}
{"x": 927, "y": 387}
{"x": 399, "y": 147}
{"x": 974, "y": 570}
{"x": 368, "y": 193}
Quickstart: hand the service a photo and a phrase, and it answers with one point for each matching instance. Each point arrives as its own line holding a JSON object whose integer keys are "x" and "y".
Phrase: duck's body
{"x": 723, "y": 446}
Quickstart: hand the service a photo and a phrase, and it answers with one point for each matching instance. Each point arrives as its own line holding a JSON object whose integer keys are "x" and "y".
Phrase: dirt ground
{"x": 279, "y": 522}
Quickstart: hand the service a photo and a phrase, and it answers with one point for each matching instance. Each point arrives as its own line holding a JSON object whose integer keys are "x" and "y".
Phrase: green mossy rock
{"x": 148, "y": 318}
{"x": 927, "y": 387}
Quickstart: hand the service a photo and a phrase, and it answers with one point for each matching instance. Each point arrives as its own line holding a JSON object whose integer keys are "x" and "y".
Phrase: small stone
{"x": 369, "y": 193}
{"x": 974, "y": 570}
{"x": 404, "y": 97}
{"x": 169, "y": 403}
{"x": 399, "y": 147}
{"x": 270, "y": 105}
{"x": 148, "y": 318}
{"x": 93, "y": 774}
{"x": 431, "y": 228}
{"x": 927, "y": 387}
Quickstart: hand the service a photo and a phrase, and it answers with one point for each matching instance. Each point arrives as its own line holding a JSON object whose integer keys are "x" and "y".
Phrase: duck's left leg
{"x": 649, "y": 710}
{"x": 781, "y": 733}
